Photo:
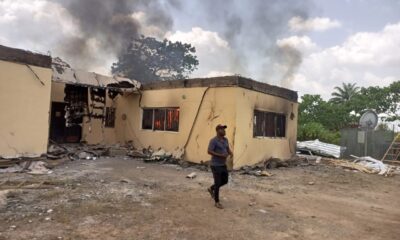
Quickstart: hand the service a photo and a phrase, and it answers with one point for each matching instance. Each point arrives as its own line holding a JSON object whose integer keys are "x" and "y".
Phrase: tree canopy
{"x": 345, "y": 92}
{"x": 147, "y": 59}
{"x": 323, "y": 119}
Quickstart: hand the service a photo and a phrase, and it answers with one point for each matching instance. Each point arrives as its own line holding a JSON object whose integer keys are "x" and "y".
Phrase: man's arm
{"x": 217, "y": 154}
{"x": 229, "y": 149}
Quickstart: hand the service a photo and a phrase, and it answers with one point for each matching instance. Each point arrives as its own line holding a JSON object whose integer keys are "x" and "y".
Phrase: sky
{"x": 309, "y": 46}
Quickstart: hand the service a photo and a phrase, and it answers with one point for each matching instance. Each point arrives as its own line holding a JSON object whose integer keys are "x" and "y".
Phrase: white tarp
{"x": 373, "y": 164}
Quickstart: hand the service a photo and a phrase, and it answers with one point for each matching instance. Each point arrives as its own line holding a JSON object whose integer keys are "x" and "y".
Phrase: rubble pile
{"x": 163, "y": 157}
{"x": 31, "y": 167}
{"x": 88, "y": 152}
{"x": 76, "y": 152}
{"x": 260, "y": 170}
{"x": 367, "y": 165}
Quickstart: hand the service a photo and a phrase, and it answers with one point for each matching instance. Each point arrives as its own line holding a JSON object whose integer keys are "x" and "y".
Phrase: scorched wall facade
{"x": 200, "y": 110}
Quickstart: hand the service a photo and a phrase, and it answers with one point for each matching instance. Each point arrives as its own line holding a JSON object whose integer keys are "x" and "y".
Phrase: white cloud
{"x": 365, "y": 58}
{"x": 299, "y": 24}
{"x": 35, "y": 25}
{"x": 214, "y": 53}
{"x": 43, "y": 26}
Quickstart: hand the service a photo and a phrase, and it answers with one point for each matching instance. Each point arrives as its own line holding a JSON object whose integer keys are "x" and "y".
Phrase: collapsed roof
{"x": 62, "y": 72}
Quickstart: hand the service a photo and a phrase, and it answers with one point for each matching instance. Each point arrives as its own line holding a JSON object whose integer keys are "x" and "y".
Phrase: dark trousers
{"x": 220, "y": 174}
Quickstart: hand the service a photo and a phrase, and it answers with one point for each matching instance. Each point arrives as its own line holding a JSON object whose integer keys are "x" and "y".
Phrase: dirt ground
{"x": 117, "y": 198}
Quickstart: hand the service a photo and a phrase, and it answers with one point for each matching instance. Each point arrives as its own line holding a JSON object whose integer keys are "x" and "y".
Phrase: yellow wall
{"x": 218, "y": 107}
{"x": 24, "y": 110}
{"x": 94, "y": 131}
{"x": 57, "y": 92}
{"x": 232, "y": 106}
{"x": 249, "y": 150}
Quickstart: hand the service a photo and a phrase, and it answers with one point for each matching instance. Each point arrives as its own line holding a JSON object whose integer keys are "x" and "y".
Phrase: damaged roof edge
{"x": 24, "y": 57}
{"x": 226, "y": 81}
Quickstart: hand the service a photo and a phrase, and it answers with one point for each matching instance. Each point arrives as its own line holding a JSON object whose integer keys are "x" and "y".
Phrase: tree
{"x": 344, "y": 93}
{"x": 323, "y": 119}
{"x": 146, "y": 59}
{"x": 332, "y": 116}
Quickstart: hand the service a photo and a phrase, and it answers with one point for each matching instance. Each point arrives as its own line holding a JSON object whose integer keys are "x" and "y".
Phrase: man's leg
{"x": 217, "y": 182}
{"x": 211, "y": 189}
{"x": 224, "y": 176}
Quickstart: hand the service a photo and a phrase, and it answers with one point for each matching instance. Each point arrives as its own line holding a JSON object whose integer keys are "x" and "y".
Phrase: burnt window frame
{"x": 279, "y": 123}
{"x": 153, "y": 117}
{"x": 110, "y": 111}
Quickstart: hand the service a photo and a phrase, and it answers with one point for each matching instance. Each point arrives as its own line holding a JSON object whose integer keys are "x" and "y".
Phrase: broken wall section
{"x": 97, "y": 117}
{"x": 24, "y": 109}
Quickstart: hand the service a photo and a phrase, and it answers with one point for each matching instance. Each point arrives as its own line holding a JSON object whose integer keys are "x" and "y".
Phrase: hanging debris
{"x": 76, "y": 98}
{"x": 97, "y": 102}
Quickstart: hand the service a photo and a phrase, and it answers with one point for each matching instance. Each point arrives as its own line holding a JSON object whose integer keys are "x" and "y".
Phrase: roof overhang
{"x": 225, "y": 81}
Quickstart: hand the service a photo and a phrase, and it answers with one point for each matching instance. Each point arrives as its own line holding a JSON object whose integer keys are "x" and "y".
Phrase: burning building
{"x": 43, "y": 100}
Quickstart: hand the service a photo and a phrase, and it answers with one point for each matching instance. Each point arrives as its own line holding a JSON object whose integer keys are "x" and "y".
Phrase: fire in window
{"x": 161, "y": 119}
{"x": 110, "y": 117}
{"x": 269, "y": 124}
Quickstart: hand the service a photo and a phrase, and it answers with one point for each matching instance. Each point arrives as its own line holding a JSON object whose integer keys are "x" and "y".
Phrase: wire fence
{"x": 361, "y": 143}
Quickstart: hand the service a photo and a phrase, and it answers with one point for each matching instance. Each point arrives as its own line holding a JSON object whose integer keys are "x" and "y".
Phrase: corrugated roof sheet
{"x": 317, "y": 147}
{"x": 63, "y": 73}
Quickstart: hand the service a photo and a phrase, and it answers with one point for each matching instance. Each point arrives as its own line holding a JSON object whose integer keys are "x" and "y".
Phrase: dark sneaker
{"x": 211, "y": 192}
{"x": 219, "y": 205}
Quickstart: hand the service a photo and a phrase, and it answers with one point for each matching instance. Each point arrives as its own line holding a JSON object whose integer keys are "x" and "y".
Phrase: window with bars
{"x": 269, "y": 124}
{"x": 161, "y": 119}
{"x": 110, "y": 117}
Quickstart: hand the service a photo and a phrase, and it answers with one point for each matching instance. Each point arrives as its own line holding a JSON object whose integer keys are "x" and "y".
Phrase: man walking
{"x": 219, "y": 150}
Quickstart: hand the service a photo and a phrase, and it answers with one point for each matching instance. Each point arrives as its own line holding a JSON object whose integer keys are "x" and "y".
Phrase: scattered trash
{"x": 316, "y": 147}
{"x": 31, "y": 167}
{"x": 178, "y": 153}
{"x": 259, "y": 170}
{"x": 38, "y": 167}
{"x": 160, "y": 155}
{"x": 262, "y": 211}
{"x": 192, "y": 175}
{"x": 124, "y": 180}
{"x": 14, "y": 169}
{"x": 367, "y": 165}
{"x": 137, "y": 154}
{"x": 311, "y": 183}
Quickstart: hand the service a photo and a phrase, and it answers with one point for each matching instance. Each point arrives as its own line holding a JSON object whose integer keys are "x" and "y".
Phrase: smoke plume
{"x": 107, "y": 26}
{"x": 251, "y": 28}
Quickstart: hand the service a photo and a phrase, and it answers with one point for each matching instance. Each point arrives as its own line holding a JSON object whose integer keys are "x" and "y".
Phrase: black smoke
{"x": 252, "y": 29}
{"x": 107, "y": 27}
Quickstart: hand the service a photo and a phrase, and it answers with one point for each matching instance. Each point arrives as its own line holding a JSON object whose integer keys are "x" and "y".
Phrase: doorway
{"x": 59, "y": 133}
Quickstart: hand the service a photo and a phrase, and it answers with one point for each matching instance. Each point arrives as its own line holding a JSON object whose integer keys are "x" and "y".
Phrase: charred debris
{"x": 86, "y": 93}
